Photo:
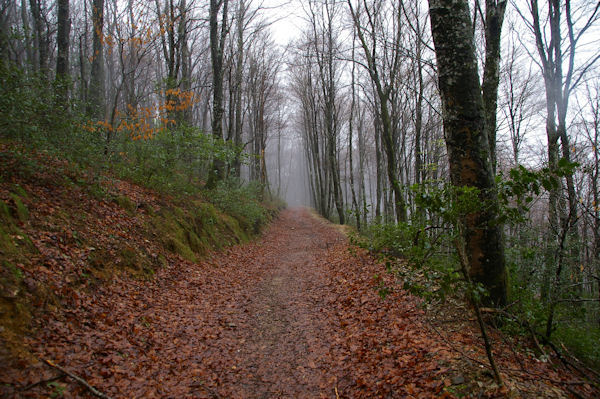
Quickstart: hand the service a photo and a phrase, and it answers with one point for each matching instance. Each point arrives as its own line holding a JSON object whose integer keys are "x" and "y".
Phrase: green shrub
{"x": 243, "y": 202}
{"x": 582, "y": 339}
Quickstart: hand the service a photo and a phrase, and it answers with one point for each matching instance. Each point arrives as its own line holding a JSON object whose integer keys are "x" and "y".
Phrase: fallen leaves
{"x": 292, "y": 315}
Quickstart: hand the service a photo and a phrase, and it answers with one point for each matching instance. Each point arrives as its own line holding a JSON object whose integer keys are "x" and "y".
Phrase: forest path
{"x": 293, "y": 315}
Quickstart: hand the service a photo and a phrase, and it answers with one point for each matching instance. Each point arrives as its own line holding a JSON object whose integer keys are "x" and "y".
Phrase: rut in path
{"x": 294, "y": 315}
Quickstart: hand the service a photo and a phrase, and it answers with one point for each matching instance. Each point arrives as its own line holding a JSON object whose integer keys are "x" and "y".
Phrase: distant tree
{"x": 563, "y": 67}
{"x": 42, "y": 37}
{"x": 322, "y": 16}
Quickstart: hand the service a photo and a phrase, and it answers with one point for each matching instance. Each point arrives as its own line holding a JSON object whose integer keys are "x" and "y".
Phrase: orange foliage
{"x": 146, "y": 122}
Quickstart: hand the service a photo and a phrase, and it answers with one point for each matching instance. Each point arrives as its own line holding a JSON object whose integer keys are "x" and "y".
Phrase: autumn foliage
{"x": 146, "y": 122}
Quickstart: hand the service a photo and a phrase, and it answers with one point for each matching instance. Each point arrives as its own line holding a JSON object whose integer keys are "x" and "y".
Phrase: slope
{"x": 65, "y": 231}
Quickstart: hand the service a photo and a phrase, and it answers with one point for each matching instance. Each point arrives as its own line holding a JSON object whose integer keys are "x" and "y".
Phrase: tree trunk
{"x": 96, "y": 97}
{"x": 494, "y": 17}
{"x": 41, "y": 38}
{"x": 217, "y": 44}
{"x": 351, "y": 144}
{"x": 62, "y": 59}
{"x": 237, "y": 139}
{"x": 467, "y": 142}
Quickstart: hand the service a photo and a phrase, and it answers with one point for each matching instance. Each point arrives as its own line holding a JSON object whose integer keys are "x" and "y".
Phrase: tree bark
{"x": 96, "y": 97}
{"x": 237, "y": 138}
{"x": 494, "y": 18}
{"x": 467, "y": 141}
{"x": 41, "y": 37}
{"x": 62, "y": 59}
{"x": 217, "y": 45}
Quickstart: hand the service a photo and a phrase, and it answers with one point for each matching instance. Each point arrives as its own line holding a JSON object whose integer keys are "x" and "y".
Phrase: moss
{"x": 7, "y": 245}
{"x": 100, "y": 260}
{"x": 20, "y": 191}
{"x": 21, "y": 211}
{"x": 179, "y": 214}
{"x": 195, "y": 243}
{"x": 175, "y": 233}
{"x": 5, "y": 214}
{"x": 15, "y": 318}
{"x": 147, "y": 207}
{"x": 126, "y": 203}
{"x": 162, "y": 261}
{"x": 129, "y": 258}
{"x": 13, "y": 242}
{"x": 192, "y": 232}
{"x": 136, "y": 262}
{"x": 16, "y": 273}
{"x": 176, "y": 246}
{"x": 236, "y": 229}
{"x": 194, "y": 229}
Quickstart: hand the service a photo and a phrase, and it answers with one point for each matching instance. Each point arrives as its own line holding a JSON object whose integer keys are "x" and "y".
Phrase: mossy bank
{"x": 65, "y": 232}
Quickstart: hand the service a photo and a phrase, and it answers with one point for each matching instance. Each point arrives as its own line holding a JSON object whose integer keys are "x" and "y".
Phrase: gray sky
{"x": 286, "y": 14}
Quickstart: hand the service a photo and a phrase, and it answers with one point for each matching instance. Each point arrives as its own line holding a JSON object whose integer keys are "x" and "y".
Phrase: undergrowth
{"x": 173, "y": 161}
{"x": 51, "y": 148}
{"x": 551, "y": 304}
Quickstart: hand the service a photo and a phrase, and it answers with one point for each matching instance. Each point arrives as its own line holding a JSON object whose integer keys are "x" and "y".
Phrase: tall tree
{"x": 355, "y": 205}
{"x": 218, "y": 34}
{"x": 467, "y": 141}
{"x": 42, "y": 40}
{"x": 62, "y": 58}
{"x": 96, "y": 98}
{"x": 322, "y": 18}
{"x": 239, "y": 72}
{"x": 562, "y": 72}
{"x": 494, "y": 18}
{"x": 382, "y": 52}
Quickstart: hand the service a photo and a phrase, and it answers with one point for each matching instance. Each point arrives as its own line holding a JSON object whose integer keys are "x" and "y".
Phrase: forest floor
{"x": 295, "y": 314}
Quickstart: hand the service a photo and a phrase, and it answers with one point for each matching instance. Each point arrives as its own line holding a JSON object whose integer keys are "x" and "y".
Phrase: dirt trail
{"x": 294, "y": 315}
{"x": 281, "y": 312}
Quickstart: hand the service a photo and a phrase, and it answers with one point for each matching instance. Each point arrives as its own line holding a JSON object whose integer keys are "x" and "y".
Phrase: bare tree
{"x": 383, "y": 62}
{"x": 96, "y": 96}
{"x": 42, "y": 37}
{"x": 562, "y": 72}
{"x": 519, "y": 99}
{"x": 322, "y": 15}
{"x": 63, "y": 42}
{"x": 218, "y": 34}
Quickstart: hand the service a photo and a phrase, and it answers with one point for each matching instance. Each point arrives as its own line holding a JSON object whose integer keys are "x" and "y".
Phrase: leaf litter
{"x": 295, "y": 314}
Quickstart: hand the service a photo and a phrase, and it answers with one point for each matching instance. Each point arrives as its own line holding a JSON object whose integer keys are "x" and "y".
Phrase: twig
{"x": 523, "y": 323}
{"x": 78, "y": 379}
{"x": 454, "y": 348}
{"x": 568, "y": 362}
{"x": 35, "y": 384}
{"x": 464, "y": 262}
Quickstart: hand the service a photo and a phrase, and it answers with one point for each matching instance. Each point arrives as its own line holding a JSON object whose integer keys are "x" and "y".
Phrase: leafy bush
{"x": 432, "y": 269}
{"x": 582, "y": 339}
{"x": 171, "y": 159}
{"x": 243, "y": 202}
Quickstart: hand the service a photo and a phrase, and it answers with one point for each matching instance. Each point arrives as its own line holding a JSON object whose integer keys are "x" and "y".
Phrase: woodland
{"x": 448, "y": 148}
